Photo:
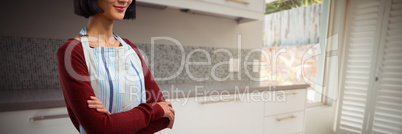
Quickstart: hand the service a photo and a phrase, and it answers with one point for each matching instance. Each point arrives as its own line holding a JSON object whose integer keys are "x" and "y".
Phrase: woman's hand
{"x": 166, "y": 106}
{"x": 169, "y": 112}
{"x": 96, "y": 103}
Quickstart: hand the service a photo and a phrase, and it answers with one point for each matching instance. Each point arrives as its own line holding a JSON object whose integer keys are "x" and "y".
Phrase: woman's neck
{"x": 100, "y": 27}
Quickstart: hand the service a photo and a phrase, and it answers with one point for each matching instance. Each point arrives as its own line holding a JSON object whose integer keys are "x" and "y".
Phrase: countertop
{"x": 27, "y": 99}
{"x": 171, "y": 91}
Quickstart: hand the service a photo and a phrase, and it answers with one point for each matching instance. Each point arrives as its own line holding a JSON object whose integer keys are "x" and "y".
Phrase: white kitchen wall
{"x": 320, "y": 120}
{"x": 56, "y": 19}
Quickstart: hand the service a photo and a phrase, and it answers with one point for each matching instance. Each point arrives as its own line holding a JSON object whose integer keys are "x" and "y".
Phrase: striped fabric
{"x": 116, "y": 75}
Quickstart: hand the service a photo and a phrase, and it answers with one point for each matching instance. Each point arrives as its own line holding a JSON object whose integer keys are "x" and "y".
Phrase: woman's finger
{"x": 169, "y": 104}
{"x": 100, "y": 108}
{"x": 103, "y": 111}
{"x": 94, "y": 98}
{"x": 171, "y": 126}
{"x": 171, "y": 119}
{"x": 96, "y": 106}
{"x": 94, "y": 102}
{"x": 171, "y": 122}
{"x": 172, "y": 110}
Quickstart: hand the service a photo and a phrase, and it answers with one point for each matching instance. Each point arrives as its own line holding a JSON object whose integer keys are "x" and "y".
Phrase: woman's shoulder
{"x": 72, "y": 45}
{"x": 71, "y": 41}
{"x": 129, "y": 43}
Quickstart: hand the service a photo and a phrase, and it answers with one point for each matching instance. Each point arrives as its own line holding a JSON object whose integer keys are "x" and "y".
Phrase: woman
{"x": 106, "y": 85}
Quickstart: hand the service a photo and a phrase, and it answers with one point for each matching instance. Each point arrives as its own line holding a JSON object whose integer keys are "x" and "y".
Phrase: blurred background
{"x": 337, "y": 61}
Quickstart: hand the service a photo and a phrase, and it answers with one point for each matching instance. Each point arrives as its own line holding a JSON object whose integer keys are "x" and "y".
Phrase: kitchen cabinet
{"x": 286, "y": 117}
{"x": 240, "y": 10}
{"x": 289, "y": 123}
{"x": 235, "y": 114}
{"x": 199, "y": 116}
{"x": 47, "y": 121}
{"x": 251, "y": 5}
{"x": 295, "y": 100}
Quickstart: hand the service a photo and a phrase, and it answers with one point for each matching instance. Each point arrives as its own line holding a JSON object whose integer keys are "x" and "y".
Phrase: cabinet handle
{"x": 240, "y": 1}
{"x": 294, "y": 93}
{"x": 219, "y": 101}
{"x": 285, "y": 118}
{"x": 47, "y": 117}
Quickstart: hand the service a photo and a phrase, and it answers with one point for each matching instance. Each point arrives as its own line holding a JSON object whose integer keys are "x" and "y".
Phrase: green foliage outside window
{"x": 280, "y": 5}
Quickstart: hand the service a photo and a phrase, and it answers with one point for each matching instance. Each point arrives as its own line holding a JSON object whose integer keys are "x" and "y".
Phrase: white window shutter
{"x": 362, "y": 32}
{"x": 387, "y": 100}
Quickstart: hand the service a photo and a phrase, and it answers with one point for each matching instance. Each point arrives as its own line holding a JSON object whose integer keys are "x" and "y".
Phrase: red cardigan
{"x": 145, "y": 118}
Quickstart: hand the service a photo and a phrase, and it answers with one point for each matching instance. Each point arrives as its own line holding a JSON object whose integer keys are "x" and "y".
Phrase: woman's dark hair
{"x": 88, "y": 8}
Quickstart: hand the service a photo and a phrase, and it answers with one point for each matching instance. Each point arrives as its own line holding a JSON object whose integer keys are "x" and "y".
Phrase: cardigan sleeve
{"x": 153, "y": 95}
{"x": 77, "y": 90}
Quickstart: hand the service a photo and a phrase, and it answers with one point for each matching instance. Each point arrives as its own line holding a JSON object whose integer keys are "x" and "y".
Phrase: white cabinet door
{"x": 197, "y": 116}
{"x": 294, "y": 100}
{"x": 284, "y": 123}
{"x": 253, "y": 5}
{"x": 18, "y": 122}
{"x": 228, "y": 8}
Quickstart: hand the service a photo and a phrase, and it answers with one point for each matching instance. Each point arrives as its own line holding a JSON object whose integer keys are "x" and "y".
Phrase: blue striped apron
{"x": 116, "y": 75}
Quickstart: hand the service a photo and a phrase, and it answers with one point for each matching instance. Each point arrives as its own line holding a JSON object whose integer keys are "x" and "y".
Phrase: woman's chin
{"x": 118, "y": 17}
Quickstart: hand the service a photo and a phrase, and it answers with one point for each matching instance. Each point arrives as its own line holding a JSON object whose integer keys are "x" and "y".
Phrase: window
{"x": 293, "y": 41}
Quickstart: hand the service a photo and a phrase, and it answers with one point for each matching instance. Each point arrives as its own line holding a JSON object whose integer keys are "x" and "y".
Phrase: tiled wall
{"x": 30, "y": 63}
{"x": 168, "y": 61}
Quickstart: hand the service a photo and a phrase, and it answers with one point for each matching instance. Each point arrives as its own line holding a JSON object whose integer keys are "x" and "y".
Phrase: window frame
{"x": 325, "y": 27}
